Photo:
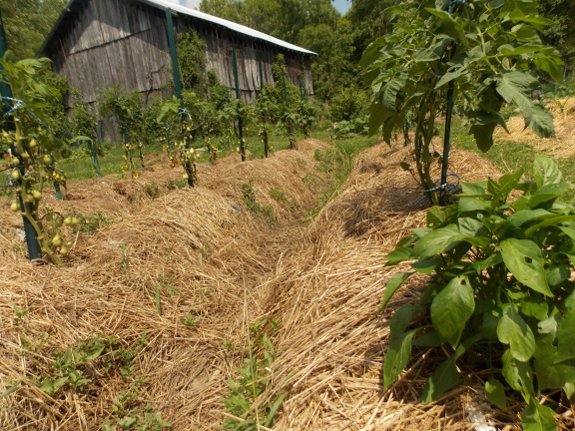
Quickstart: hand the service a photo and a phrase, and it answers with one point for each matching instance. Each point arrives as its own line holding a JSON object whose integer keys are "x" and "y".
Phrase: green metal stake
{"x": 177, "y": 83}
{"x": 240, "y": 126}
{"x": 56, "y": 185}
{"x": 287, "y": 105}
{"x": 94, "y": 159}
{"x": 34, "y": 251}
{"x": 300, "y": 90}
{"x": 446, "y": 143}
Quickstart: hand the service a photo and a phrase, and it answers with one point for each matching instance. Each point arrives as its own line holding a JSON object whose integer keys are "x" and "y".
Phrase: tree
{"x": 28, "y": 22}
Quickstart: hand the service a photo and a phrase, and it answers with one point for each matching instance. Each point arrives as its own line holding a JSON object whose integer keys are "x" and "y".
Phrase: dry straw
{"x": 563, "y": 146}
{"x": 323, "y": 282}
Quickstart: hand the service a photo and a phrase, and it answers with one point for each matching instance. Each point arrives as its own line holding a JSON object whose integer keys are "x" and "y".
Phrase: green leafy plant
{"x": 244, "y": 401}
{"x": 500, "y": 293}
{"x": 475, "y": 55}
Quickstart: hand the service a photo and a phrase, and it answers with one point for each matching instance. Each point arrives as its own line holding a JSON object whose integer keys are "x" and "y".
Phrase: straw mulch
{"x": 563, "y": 146}
{"x": 193, "y": 254}
{"x": 327, "y": 295}
{"x": 200, "y": 254}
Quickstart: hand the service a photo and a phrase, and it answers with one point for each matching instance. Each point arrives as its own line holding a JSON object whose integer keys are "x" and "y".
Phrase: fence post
{"x": 34, "y": 251}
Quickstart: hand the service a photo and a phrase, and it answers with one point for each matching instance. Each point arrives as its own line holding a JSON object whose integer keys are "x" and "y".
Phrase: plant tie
{"x": 449, "y": 187}
{"x": 19, "y": 104}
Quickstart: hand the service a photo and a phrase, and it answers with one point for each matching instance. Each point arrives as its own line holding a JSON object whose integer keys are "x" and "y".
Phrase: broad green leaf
{"x": 517, "y": 374}
{"x": 391, "y": 89}
{"x": 446, "y": 375}
{"x": 566, "y": 331}
{"x": 507, "y": 185}
{"x": 513, "y": 330}
{"x": 438, "y": 241}
{"x": 549, "y": 221}
{"x": 523, "y": 258}
{"x": 553, "y": 376}
{"x": 473, "y": 188}
{"x": 489, "y": 325}
{"x": 444, "y": 378}
{"x": 451, "y": 308}
{"x": 399, "y": 349}
{"x": 491, "y": 261}
{"x": 546, "y": 171}
{"x": 450, "y": 76}
{"x": 470, "y": 226}
{"x": 438, "y": 13}
{"x": 541, "y": 122}
{"x": 520, "y": 217}
{"x": 426, "y": 266}
{"x": 495, "y": 393}
{"x": 473, "y": 204}
{"x": 483, "y": 134}
{"x": 548, "y": 193}
{"x": 536, "y": 417}
{"x": 557, "y": 274}
{"x": 425, "y": 55}
{"x": 521, "y": 49}
{"x": 429, "y": 339}
{"x": 398, "y": 255}
{"x": 553, "y": 65}
{"x": 535, "y": 306}
{"x": 391, "y": 287}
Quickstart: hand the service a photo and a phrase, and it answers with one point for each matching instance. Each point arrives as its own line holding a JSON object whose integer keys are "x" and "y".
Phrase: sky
{"x": 342, "y": 5}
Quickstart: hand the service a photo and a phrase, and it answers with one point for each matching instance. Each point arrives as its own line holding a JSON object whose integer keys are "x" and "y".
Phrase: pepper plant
{"x": 501, "y": 293}
{"x": 477, "y": 55}
{"x": 33, "y": 148}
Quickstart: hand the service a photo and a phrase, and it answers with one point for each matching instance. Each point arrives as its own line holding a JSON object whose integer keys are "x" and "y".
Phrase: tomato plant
{"x": 266, "y": 114}
{"x": 501, "y": 291}
{"x": 183, "y": 132}
{"x": 127, "y": 110}
{"x": 477, "y": 55}
{"x": 33, "y": 149}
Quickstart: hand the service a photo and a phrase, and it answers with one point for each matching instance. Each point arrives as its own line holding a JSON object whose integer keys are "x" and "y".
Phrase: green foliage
{"x": 28, "y": 22}
{"x": 255, "y": 379}
{"x": 192, "y": 60}
{"x": 484, "y": 51}
{"x": 349, "y": 129}
{"x": 349, "y": 104}
{"x": 500, "y": 290}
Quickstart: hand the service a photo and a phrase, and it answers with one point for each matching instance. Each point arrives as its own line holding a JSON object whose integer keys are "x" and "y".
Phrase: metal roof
{"x": 229, "y": 24}
{"x": 193, "y": 13}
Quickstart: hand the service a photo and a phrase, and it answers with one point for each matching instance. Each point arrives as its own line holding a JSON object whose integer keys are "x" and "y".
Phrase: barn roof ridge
{"x": 242, "y": 29}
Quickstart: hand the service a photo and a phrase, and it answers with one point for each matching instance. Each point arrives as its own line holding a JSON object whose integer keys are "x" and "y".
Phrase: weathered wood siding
{"x": 124, "y": 42}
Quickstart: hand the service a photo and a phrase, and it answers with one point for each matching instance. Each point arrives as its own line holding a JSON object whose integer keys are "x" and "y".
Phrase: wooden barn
{"x": 103, "y": 43}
